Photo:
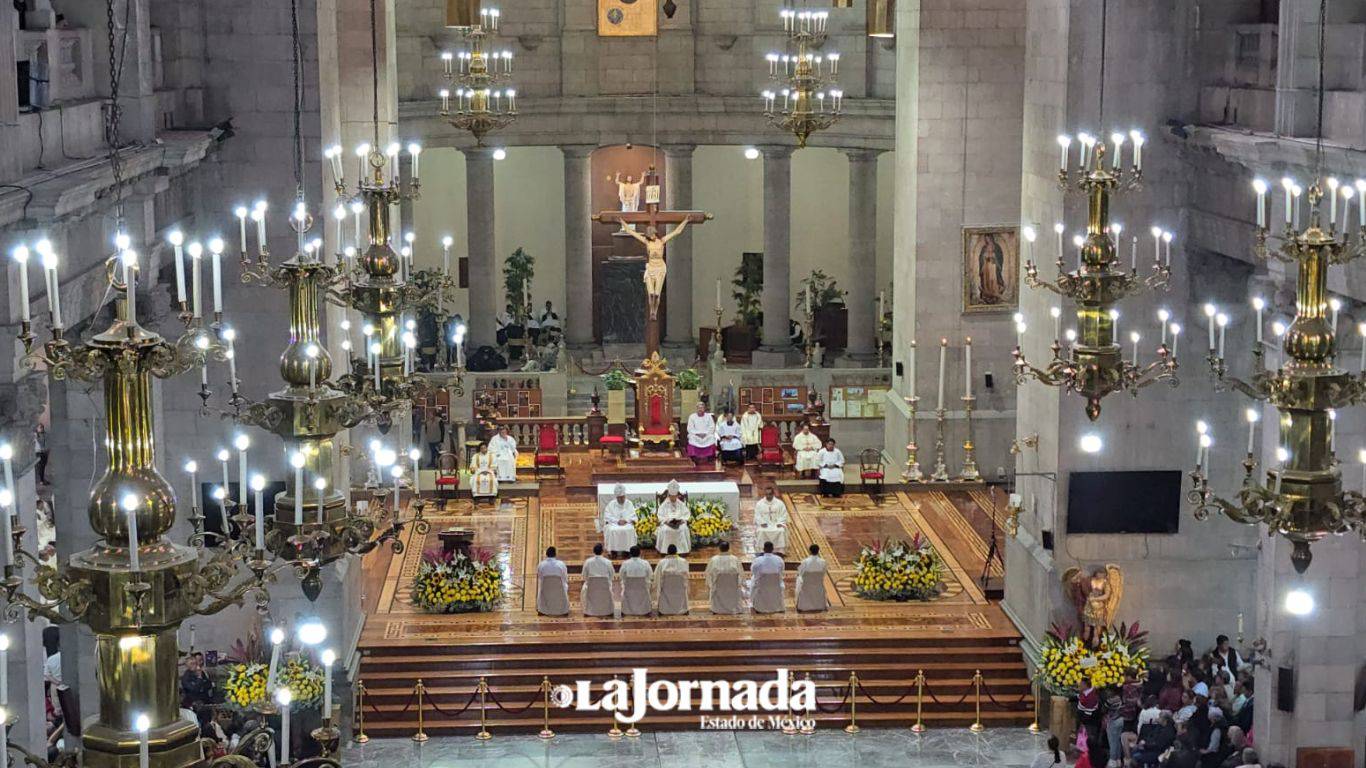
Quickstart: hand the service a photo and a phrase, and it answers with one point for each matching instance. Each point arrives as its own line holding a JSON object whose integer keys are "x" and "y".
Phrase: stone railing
{"x": 575, "y": 433}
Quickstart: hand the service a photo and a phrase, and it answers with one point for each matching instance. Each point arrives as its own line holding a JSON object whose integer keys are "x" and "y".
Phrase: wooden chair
{"x": 771, "y": 449}
{"x": 548, "y": 450}
{"x": 655, "y": 404}
{"x": 871, "y": 471}
{"x": 447, "y": 475}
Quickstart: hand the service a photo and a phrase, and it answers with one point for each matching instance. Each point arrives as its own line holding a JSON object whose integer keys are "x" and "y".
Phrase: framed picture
{"x": 991, "y": 269}
{"x": 766, "y": 395}
{"x": 790, "y": 393}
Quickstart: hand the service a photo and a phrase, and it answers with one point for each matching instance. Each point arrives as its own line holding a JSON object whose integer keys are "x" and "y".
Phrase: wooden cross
{"x": 652, "y": 216}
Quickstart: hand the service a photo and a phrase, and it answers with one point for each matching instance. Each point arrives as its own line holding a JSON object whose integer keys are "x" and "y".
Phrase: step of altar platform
{"x": 513, "y": 668}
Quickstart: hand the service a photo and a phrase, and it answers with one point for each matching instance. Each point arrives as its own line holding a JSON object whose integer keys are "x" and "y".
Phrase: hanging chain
{"x": 1104, "y": 22}
{"x": 374, "y": 71}
{"x": 115, "y": 75}
{"x": 298, "y": 54}
{"x": 1318, "y": 130}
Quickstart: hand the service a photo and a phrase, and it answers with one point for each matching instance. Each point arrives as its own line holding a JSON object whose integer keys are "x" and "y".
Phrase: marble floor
{"x": 882, "y": 748}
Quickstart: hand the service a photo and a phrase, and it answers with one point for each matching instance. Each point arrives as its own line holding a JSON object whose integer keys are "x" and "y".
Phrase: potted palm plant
{"x": 615, "y": 381}
{"x": 689, "y": 383}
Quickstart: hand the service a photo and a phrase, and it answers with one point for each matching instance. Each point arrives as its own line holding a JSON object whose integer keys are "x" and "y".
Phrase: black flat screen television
{"x": 1124, "y": 502}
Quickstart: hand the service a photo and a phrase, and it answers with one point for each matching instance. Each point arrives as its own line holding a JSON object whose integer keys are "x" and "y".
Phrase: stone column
{"x": 777, "y": 296}
{"x": 578, "y": 244}
{"x": 1297, "y": 43}
{"x": 678, "y": 285}
{"x": 485, "y": 296}
{"x": 862, "y": 300}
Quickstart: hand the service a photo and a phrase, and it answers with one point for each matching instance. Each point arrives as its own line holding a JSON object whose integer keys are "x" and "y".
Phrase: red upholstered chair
{"x": 870, "y": 470}
{"x": 771, "y": 448}
{"x": 659, "y": 426}
{"x": 614, "y": 443}
{"x": 447, "y": 475}
{"x": 548, "y": 450}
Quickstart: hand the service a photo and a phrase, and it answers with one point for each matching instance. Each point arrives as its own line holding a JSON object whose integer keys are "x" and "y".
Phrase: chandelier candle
{"x": 297, "y": 461}
{"x": 277, "y": 638}
{"x": 7, "y": 527}
{"x": 130, "y": 508}
{"x": 196, "y": 251}
{"x": 53, "y": 283}
{"x": 4, "y": 673}
{"x": 242, "y": 443}
{"x": 258, "y": 484}
{"x": 21, "y": 257}
{"x": 217, "y": 255}
{"x": 177, "y": 239}
{"x": 320, "y": 484}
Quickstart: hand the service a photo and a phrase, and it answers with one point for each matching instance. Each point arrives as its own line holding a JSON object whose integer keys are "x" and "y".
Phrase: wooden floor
{"x": 513, "y": 647}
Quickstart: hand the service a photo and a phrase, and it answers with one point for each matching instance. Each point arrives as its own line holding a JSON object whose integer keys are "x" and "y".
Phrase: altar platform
{"x": 513, "y": 647}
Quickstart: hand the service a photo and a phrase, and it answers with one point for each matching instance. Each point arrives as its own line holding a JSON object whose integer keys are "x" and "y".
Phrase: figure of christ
{"x": 628, "y": 192}
{"x": 655, "y": 265}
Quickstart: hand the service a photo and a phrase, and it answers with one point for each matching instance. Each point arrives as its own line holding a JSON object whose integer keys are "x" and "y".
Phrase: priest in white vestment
{"x": 673, "y": 515}
{"x": 766, "y": 582}
{"x": 504, "y": 451}
{"x": 806, "y": 445}
{"x": 636, "y": 575}
{"x": 619, "y": 522}
{"x": 831, "y": 473}
{"x": 728, "y": 438}
{"x": 770, "y": 521}
{"x": 598, "y": 574}
{"x": 751, "y": 430}
{"x": 723, "y": 581}
{"x": 701, "y": 436}
{"x": 483, "y": 479}
{"x": 552, "y": 585}
{"x": 671, "y": 585}
{"x": 811, "y": 582}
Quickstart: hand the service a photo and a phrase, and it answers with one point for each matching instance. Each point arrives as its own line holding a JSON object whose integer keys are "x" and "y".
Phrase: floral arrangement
{"x": 647, "y": 525}
{"x": 303, "y": 679}
{"x": 1069, "y": 664}
{"x": 246, "y": 685}
{"x": 709, "y": 522}
{"x": 453, "y": 583}
{"x": 615, "y": 380}
{"x": 688, "y": 378}
{"x": 899, "y": 570}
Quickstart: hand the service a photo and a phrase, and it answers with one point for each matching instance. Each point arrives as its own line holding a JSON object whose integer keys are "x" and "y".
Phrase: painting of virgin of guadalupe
{"x": 991, "y": 269}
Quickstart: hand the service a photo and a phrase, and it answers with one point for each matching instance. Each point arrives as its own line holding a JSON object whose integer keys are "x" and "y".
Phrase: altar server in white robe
{"x": 723, "y": 581}
{"x": 552, "y": 585}
{"x": 701, "y": 436}
{"x": 770, "y": 521}
{"x": 806, "y": 445}
{"x": 811, "y": 582}
{"x": 483, "y": 478}
{"x": 728, "y": 437}
{"x": 504, "y": 451}
{"x": 673, "y": 517}
{"x": 751, "y": 430}
{"x": 671, "y": 585}
{"x": 636, "y": 576}
{"x": 831, "y": 474}
{"x": 619, "y": 522}
{"x": 766, "y": 582}
{"x": 596, "y": 595}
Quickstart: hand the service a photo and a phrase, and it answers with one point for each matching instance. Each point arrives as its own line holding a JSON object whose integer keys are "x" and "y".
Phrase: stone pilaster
{"x": 777, "y": 296}
{"x": 485, "y": 295}
{"x": 678, "y": 287}
{"x": 862, "y": 298}
{"x": 578, "y": 244}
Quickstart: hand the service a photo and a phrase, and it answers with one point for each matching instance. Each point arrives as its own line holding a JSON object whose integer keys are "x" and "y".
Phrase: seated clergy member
{"x": 723, "y": 581}
{"x": 552, "y": 587}
{"x": 483, "y": 479}
{"x": 636, "y": 575}
{"x": 619, "y": 523}
{"x": 728, "y": 435}
{"x": 671, "y": 585}
{"x": 806, "y": 445}
{"x": 831, "y": 473}
{"x": 673, "y": 514}
{"x": 766, "y": 582}
{"x": 811, "y": 582}
{"x": 503, "y": 448}
{"x": 596, "y": 595}
{"x": 701, "y": 436}
{"x": 770, "y": 521}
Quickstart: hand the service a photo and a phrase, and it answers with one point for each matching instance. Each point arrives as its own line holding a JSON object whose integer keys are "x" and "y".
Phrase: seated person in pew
{"x": 811, "y": 582}
{"x": 598, "y": 575}
{"x": 671, "y": 585}
{"x": 636, "y": 588}
{"x": 552, "y": 585}
{"x": 723, "y": 581}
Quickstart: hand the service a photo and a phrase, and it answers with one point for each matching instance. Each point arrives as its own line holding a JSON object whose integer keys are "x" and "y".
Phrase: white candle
{"x": 230, "y": 336}
{"x": 258, "y": 485}
{"x": 943, "y": 354}
{"x": 910, "y": 367}
{"x": 1259, "y": 186}
{"x": 277, "y": 639}
{"x": 4, "y": 673}
{"x": 177, "y": 239}
{"x": 1176, "y": 334}
{"x": 1361, "y": 330}
{"x": 967, "y": 368}
{"x": 1133, "y": 255}
{"x": 130, "y": 505}
{"x": 397, "y": 472}
{"x": 1289, "y": 186}
{"x": 54, "y": 291}
{"x": 415, "y": 455}
{"x": 1019, "y": 335}
{"x": 217, "y": 254}
{"x": 1064, "y": 142}
{"x": 1332, "y": 203}
{"x": 4, "y": 739}
{"x": 320, "y": 484}
{"x": 1137, "y": 139}
{"x": 1156, "y": 232}
{"x": 1209, "y": 317}
{"x": 242, "y": 443}
{"x": 196, "y": 255}
{"x": 1057, "y": 231}
{"x": 261, "y": 228}
{"x": 130, "y": 283}
{"x": 143, "y": 725}
{"x": 1222, "y": 321}
{"x": 1332, "y": 431}
{"x": 241, "y": 213}
{"x": 1252, "y": 417}
{"x": 1056, "y": 312}
{"x": 1259, "y": 304}
{"x": 1134, "y": 337}
{"x": 297, "y": 461}
{"x": 21, "y": 256}
{"x": 286, "y": 701}
{"x": 446, "y": 243}
{"x": 1167, "y": 248}
{"x": 1335, "y": 306}
{"x": 329, "y": 658}
{"x": 1360, "y": 185}
{"x": 7, "y": 524}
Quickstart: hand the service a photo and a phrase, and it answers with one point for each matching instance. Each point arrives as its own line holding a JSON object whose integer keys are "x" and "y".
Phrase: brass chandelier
{"x": 478, "y": 99}
{"x": 809, "y": 92}
{"x": 1301, "y": 497}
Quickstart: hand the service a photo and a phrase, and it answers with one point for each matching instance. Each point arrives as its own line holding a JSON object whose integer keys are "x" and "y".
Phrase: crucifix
{"x": 656, "y": 265}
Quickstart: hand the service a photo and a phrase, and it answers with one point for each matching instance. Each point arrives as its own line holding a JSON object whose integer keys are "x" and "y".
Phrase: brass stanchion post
{"x": 919, "y": 726}
{"x": 852, "y": 727}
{"x": 421, "y": 735}
{"x": 1034, "y": 727}
{"x": 631, "y": 730}
{"x": 790, "y": 727}
{"x": 808, "y": 726}
{"x": 615, "y": 732}
{"x": 545, "y": 733}
{"x": 977, "y": 726}
{"x": 360, "y": 737}
{"x": 483, "y": 734}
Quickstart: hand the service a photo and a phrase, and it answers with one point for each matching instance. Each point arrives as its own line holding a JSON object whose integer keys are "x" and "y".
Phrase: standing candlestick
{"x": 941, "y": 470}
{"x": 970, "y": 472}
{"x": 286, "y": 701}
{"x": 910, "y": 370}
{"x": 912, "y": 473}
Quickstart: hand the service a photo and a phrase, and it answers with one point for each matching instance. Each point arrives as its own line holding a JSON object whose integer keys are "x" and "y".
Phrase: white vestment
{"x": 483, "y": 480}
{"x": 671, "y": 586}
{"x": 504, "y": 453}
{"x": 636, "y": 576}
{"x": 831, "y": 465}
{"x": 723, "y": 583}
{"x": 770, "y": 523}
{"x": 596, "y": 594}
{"x": 729, "y": 435}
{"x": 766, "y": 583}
{"x": 552, "y": 587}
{"x": 751, "y": 425}
{"x": 811, "y": 585}
{"x": 701, "y": 430}
{"x": 806, "y": 446}
{"x": 618, "y": 525}
{"x": 673, "y": 509}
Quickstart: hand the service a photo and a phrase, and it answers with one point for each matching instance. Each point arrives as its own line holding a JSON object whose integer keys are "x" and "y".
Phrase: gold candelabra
{"x": 481, "y": 102}
{"x": 1092, "y": 363}
{"x": 912, "y": 474}
{"x": 1301, "y": 498}
{"x": 811, "y": 98}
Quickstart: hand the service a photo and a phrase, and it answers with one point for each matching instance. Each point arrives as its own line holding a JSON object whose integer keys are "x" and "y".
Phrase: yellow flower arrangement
{"x": 1067, "y": 663}
{"x": 245, "y": 686}
{"x": 457, "y": 584}
{"x": 647, "y": 525}
{"x": 899, "y": 570}
{"x": 709, "y": 522}
{"x": 303, "y": 679}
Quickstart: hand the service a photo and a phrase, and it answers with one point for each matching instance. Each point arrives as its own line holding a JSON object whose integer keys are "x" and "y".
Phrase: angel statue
{"x": 1096, "y": 597}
